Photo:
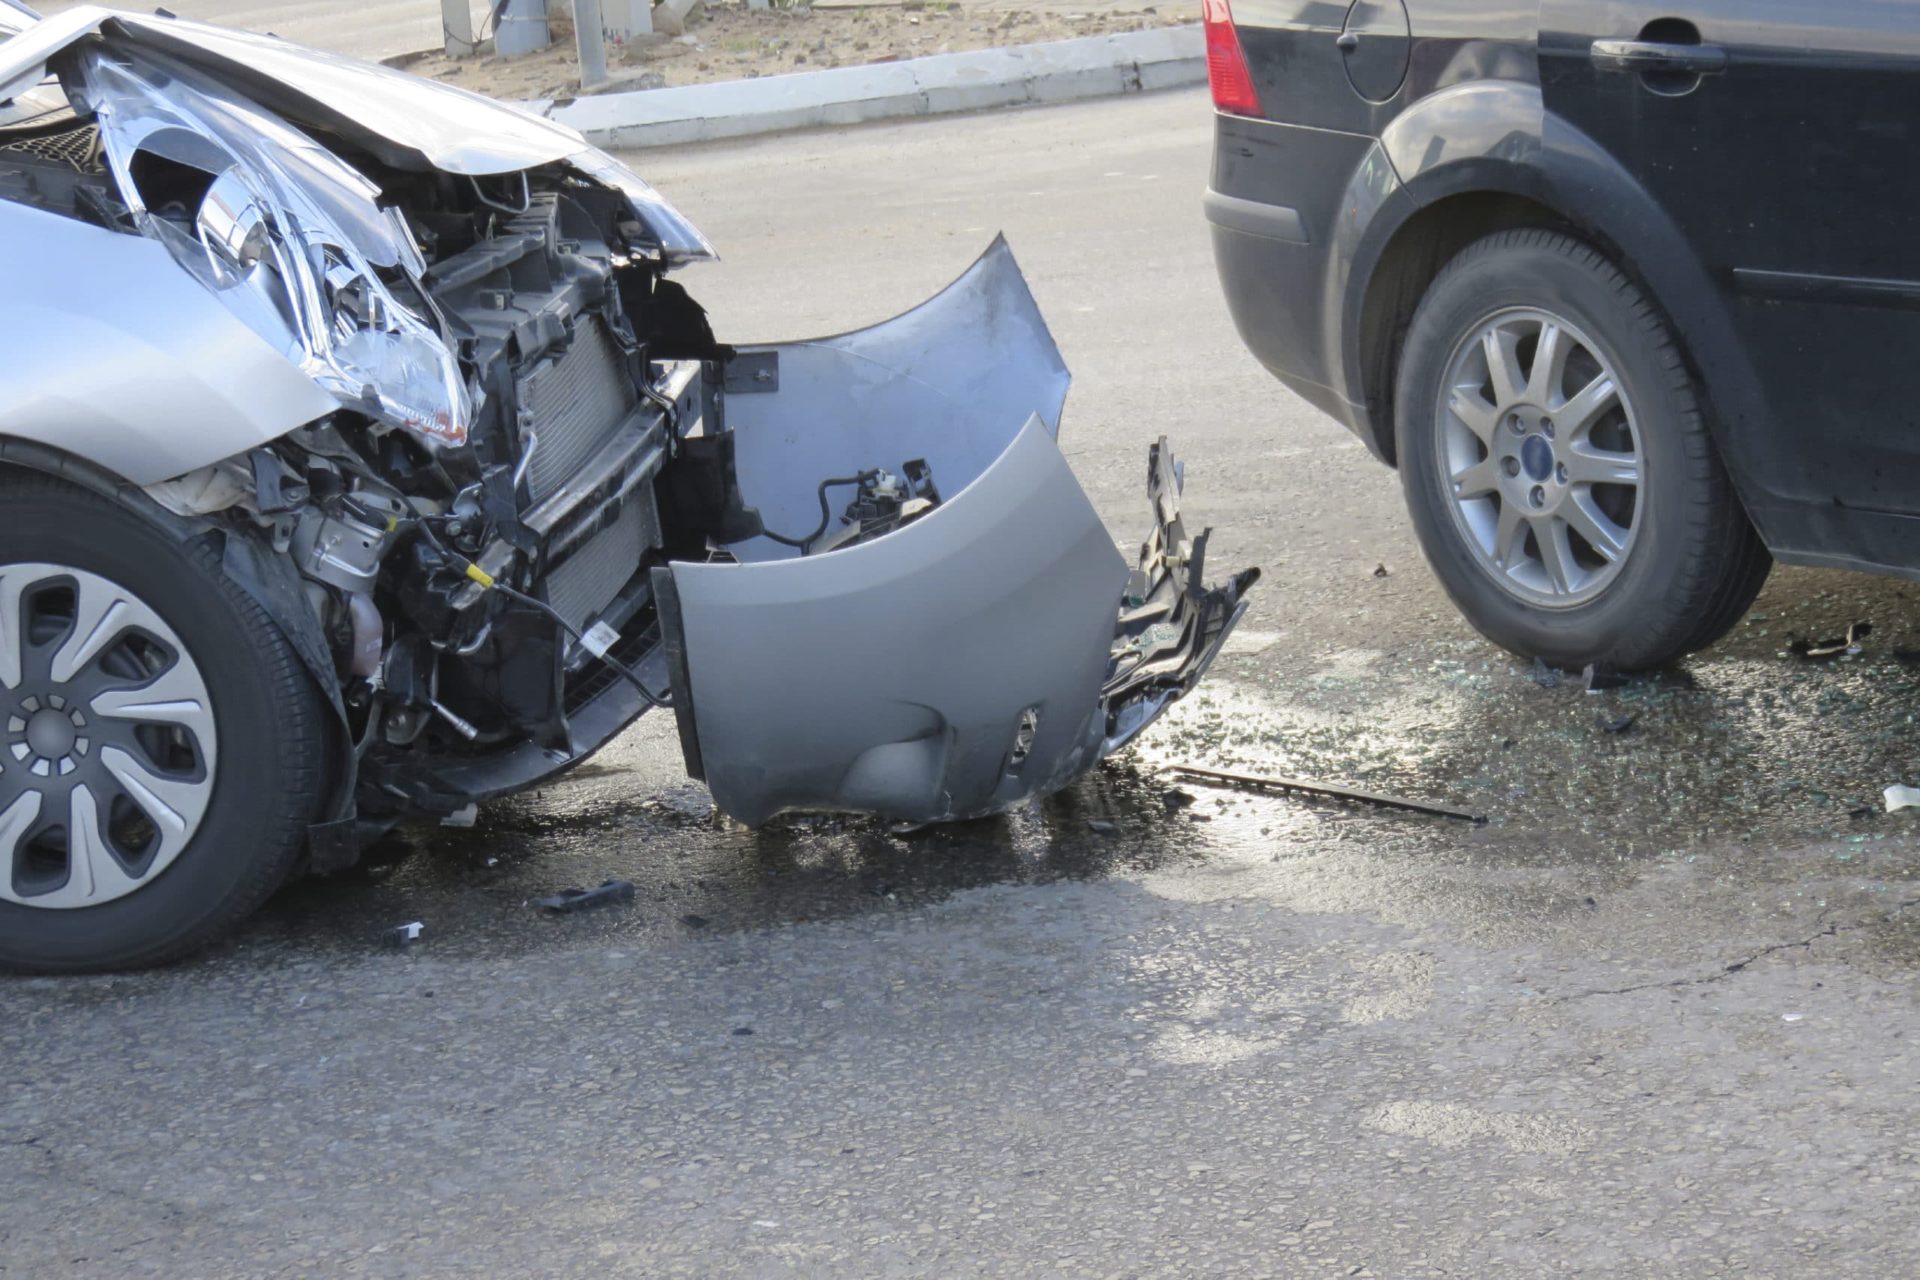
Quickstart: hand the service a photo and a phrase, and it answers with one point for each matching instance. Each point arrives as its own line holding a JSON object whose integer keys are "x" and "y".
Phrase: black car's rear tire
{"x": 1559, "y": 473}
{"x": 132, "y": 667}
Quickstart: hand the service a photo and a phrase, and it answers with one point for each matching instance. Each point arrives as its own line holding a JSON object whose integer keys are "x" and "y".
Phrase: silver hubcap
{"x": 1539, "y": 453}
{"x": 107, "y": 745}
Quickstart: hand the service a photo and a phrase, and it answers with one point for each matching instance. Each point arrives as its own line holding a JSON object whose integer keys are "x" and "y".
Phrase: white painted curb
{"x": 1090, "y": 67}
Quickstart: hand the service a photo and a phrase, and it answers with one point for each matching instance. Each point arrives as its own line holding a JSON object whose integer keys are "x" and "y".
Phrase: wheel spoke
{"x": 1509, "y": 536}
{"x": 16, "y": 820}
{"x": 1481, "y": 418}
{"x": 1583, "y": 408}
{"x": 1549, "y": 364}
{"x": 1588, "y": 465}
{"x": 177, "y": 696}
{"x": 1502, "y": 350}
{"x": 173, "y": 805}
{"x": 1607, "y": 539}
{"x": 1556, "y": 553}
{"x": 14, "y": 581}
{"x": 100, "y": 614}
{"x": 93, "y": 872}
{"x": 1478, "y": 480}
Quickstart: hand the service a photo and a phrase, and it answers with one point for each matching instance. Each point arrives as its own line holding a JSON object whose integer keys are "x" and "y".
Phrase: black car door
{"x": 1783, "y": 138}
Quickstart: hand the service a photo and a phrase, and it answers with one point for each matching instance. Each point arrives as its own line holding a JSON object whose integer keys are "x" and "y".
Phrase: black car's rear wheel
{"x": 161, "y": 748}
{"x": 1559, "y": 474}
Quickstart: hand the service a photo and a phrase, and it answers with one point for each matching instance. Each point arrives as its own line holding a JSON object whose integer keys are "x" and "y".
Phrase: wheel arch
{"x": 270, "y": 580}
{"x": 1487, "y": 157}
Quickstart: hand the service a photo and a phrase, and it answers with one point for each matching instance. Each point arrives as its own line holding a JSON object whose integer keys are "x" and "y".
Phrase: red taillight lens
{"x": 1227, "y": 71}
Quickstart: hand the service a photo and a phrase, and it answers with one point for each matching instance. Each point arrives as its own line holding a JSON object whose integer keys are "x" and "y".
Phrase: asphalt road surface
{"x": 1657, "y": 1017}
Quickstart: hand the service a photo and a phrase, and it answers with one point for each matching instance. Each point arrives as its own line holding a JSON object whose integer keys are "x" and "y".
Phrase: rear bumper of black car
{"x": 1275, "y": 208}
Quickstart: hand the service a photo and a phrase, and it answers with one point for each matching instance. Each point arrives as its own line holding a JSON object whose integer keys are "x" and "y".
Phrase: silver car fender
{"x": 129, "y": 362}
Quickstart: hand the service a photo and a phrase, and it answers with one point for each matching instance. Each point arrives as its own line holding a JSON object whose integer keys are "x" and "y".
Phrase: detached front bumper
{"x": 989, "y": 651}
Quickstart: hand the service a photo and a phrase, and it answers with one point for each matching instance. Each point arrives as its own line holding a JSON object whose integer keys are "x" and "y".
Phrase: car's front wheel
{"x": 1559, "y": 474}
{"x": 161, "y": 748}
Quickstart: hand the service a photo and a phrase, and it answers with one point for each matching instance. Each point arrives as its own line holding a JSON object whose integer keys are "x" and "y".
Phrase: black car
{"x": 1629, "y": 292}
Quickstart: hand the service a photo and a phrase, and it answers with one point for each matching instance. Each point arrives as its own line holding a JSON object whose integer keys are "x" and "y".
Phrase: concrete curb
{"x": 1091, "y": 67}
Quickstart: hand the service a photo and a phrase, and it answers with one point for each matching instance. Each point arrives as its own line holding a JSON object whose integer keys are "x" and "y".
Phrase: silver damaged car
{"x": 361, "y": 459}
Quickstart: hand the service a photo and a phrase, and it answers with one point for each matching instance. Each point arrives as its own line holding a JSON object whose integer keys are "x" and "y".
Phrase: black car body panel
{"x": 1764, "y": 203}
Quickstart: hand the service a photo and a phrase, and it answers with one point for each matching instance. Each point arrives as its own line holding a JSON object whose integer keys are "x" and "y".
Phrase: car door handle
{"x": 1641, "y": 56}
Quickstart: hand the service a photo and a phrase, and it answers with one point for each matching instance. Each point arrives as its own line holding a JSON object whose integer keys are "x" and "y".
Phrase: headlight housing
{"x": 284, "y": 233}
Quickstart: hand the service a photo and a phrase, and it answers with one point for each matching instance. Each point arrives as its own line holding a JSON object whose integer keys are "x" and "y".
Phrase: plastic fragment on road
{"x": 402, "y": 936}
{"x": 1848, "y": 646}
{"x": 1598, "y": 678}
{"x": 1899, "y": 796}
{"x": 1545, "y": 676}
{"x": 569, "y": 901}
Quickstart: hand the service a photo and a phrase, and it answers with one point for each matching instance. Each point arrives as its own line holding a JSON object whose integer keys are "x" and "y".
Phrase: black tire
{"x": 1696, "y": 562}
{"x": 270, "y": 721}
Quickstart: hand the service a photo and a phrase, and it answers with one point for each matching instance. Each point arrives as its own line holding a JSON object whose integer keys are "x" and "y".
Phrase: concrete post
{"x": 626, "y": 19}
{"x": 522, "y": 28}
{"x": 587, "y": 35}
{"x": 456, "y": 21}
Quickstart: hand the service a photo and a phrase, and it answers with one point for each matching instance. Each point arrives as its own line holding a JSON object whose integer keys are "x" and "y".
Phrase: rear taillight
{"x": 1226, "y": 63}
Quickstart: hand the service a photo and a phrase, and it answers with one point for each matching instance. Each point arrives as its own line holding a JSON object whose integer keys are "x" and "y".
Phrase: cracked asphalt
{"x": 1655, "y": 1017}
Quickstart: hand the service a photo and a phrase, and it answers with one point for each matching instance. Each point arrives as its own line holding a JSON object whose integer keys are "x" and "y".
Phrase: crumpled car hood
{"x": 446, "y": 127}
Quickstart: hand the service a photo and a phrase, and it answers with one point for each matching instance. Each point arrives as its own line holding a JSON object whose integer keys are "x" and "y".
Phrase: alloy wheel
{"x": 1540, "y": 457}
{"x": 107, "y": 739}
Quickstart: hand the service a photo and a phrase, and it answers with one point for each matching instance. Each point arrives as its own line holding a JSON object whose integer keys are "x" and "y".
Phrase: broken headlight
{"x": 283, "y": 232}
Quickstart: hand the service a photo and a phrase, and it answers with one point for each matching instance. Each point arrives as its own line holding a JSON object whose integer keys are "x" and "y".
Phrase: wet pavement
{"x": 1653, "y": 1017}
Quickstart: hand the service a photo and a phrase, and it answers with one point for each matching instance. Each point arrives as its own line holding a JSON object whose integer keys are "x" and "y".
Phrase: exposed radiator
{"x": 588, "y": 580}
{"x": 574, "y": 404}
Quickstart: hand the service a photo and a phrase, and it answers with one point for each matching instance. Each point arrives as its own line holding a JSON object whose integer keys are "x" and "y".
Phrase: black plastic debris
{"x": 1380, "y": 571}
{"x": 402, "y": 936}
{"x": 1101, "y": 827}
{"x": 743, "y": 1031}
{"x": 1545, "y": 676}
{"x": 1865, "y": 813}
{"x": 1597, "y": 678}
{"x": 1257, "y": 782}
{"x": 569, "y": 901}
{"x": 1618, "y": 724}
{"x": 1176, "y": 799}
{"x": 694, "y": 922}
{"x": 1848, "y": 645}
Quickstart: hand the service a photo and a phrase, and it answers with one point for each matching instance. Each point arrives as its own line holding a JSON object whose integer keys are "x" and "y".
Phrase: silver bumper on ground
{"x": 993, "y": 649}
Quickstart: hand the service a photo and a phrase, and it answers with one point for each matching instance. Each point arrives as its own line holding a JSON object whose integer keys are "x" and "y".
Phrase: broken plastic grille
{"x": 79, "y": 149}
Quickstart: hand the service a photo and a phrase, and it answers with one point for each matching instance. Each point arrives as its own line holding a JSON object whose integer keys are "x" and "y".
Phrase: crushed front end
{"x": 486, "y": 464}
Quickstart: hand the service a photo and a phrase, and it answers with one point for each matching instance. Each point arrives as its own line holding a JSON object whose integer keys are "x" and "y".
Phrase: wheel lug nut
{"x": 1538, "y": 497}
{"x": 1560, "y": 473}
{"x": 1546, "y": 425}
{"x": 1510, "y": 465}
